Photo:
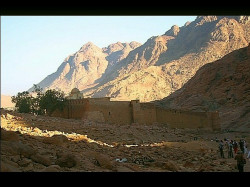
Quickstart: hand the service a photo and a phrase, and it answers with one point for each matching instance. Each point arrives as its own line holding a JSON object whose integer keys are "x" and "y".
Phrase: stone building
{"x": 102, "y": 110}
{"x": 75, "y": 94}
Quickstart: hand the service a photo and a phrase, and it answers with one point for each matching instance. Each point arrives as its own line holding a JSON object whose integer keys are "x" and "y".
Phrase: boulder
{"x": 25, "y": 150}
{"x": 103, "y": 161}
{"x": 204, "y": 168}
{"x": 24, "y": 162}
{"x": 9, "y": 135}
{"x": 123, "y": 169}
{"x": 188, "y": 164}
{"x": 16, "y": 148}
{"x": 9, "y": 148}
{"x": 44, "y": 160}
{"x": 8, "y": 168}
{"x": 66, "y": 160}
{"x": 169, "y": 165}
{"x": 52, "y": 168}
{"x": 15, "y": 158}
{"x": 56, "y": 140}
{"x": 29, "y": 168}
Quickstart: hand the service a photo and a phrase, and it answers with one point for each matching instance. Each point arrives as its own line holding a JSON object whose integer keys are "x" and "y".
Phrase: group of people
{"x": 239, "y": 149}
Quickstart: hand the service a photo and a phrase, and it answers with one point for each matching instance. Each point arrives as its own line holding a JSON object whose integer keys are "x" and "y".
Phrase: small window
{"x": 109, "y": 113}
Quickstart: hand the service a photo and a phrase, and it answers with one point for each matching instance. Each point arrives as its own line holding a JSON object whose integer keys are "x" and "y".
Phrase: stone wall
{"x": 143, "y": 113}
{"x": 77, "y": 108}
{"x": 112, "y": 111}
{"x": 188, "y": 119}
{"x": 103, "y": 110}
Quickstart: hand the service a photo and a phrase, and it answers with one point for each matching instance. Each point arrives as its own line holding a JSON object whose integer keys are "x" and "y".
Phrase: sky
{"x": 33, "y": 47}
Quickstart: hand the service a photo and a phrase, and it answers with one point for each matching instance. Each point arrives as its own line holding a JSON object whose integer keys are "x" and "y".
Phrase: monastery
{"x": 102, "y": 110}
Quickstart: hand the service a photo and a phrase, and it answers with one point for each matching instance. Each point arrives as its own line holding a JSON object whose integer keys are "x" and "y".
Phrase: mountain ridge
{"x": 221, "y": 86}
{"x": 180, "y": 62}
{"x": 166, "y": 61}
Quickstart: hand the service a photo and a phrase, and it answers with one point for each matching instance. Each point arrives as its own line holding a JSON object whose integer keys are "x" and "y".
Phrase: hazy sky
{"x": 33, "y": 47}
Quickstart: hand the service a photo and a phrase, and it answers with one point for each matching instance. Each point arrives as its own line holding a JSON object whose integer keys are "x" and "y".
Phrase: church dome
{"x": 75, "y": 90}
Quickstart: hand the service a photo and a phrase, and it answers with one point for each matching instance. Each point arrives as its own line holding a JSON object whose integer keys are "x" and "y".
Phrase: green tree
{"x": 52, "y": 100}
{"x": 23, "y": 102}
{"x": 35, "y": 106}
{"x": 39, "y": 102}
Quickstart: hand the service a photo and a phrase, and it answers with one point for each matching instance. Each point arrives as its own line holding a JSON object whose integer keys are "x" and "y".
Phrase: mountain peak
{"x": 173, "y": 58}
{"x": 89, "y": 46}
{"x": 187, "y": 23}
{"x": 134, "y": 44}
{"x": 120, "y": 46}
{"x": 173, "y": 31}
{"x": 200, "y": 20}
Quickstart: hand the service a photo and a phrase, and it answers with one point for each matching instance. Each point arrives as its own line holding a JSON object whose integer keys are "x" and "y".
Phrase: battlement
{"x": 103, "y": 110}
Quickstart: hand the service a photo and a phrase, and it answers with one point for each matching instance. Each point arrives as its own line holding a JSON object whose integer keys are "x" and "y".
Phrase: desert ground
{"x": 32, "y": 143}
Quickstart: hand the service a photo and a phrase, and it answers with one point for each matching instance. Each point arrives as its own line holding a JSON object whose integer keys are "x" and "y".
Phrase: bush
{"x": 51, "y": 101}
{"x": 23, "y": 102}
{"x": 42, "y": 103}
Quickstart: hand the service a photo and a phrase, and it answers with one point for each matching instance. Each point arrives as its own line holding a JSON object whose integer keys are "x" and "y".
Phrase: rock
{"x": 56, "y": 140}
{"x": 52, "y": 168}
{"x": 9, "y": 148}
{"x": 25, "y": 150}
{"x": 16, "y": 148}
{"x": 8, "y": 168}
{"x": 7, "y": 161}
{"x": 24, "y": 162}
{"x": 15, "y": 158}
{"x": 37, "y": 130}
{"x": 201, "y": 169}
{"x": 188, "y": 164}
{"x": 173, "y": 31}
{"x": 66, "y": 160}
{"x": 195, "y": 159}
{"x": 123, "y": 169}
{"x": 9, "y": 135}
{"x": 169, "y": 165}
{"x": 103, "y": 161}
{"x": 29, "y": 168}
{"x": 223, "y": 162}
{"x": 44, "y": 160}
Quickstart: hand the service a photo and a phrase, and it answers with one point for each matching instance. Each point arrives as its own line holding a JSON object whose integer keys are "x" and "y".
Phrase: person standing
{"x": 230, "y": 150}
{"x": 221, "y": 145}
{"x": 241, "y": 143}
{"x": 248, "y": 154}
{"x": 241, "y": 161}
{"x": 235, "y": 146}
{"x": 227, "y": 148}
{"x": 245, "y": 147}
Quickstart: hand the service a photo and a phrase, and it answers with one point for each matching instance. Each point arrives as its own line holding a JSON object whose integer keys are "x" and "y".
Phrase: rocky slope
{"x": 223, "y": 85}
{"x": 84, "y": 68}
{"x": 44, "y": 144}
{"x": 159, "y": 67}
{"x": 165, "y": 63}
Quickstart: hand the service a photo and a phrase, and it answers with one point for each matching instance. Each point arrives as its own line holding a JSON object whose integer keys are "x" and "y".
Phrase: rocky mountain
{"x": 159, "y": 67}
{"x": 165, "y": 63}
{"x": 223, "y": 85}
{"x": 84, "y": 68}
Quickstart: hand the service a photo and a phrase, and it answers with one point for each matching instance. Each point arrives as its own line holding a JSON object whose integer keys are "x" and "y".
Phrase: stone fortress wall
{"x": 103, "y": 110}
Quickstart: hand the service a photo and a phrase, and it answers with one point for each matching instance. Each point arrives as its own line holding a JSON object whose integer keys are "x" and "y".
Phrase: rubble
{"x": 53, "y": 146}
